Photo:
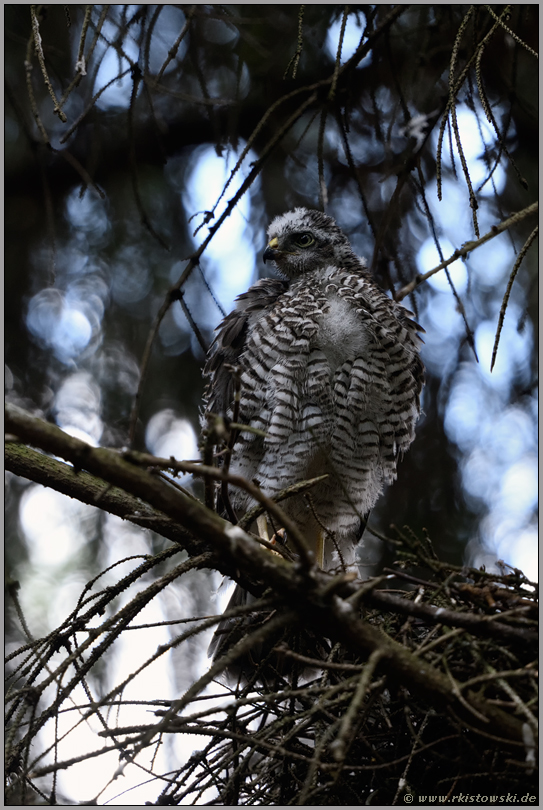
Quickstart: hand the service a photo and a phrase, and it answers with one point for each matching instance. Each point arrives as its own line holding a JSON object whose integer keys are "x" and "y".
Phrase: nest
{"x": 311, "y": 724}
{"x": 288, "y": 715}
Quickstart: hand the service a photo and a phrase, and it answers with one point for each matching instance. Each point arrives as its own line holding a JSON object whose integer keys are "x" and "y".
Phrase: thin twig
{"x": 299, "y": 46}
{"x": 512, "y": 277}
{"x": 466, "y": 248}
{"x": 175, "y": 47}
{"x": 511, "y": 33}
{"x": 41, "y": 59}
{"x": 340, "y": 745}
{"x": 332, "y": 92}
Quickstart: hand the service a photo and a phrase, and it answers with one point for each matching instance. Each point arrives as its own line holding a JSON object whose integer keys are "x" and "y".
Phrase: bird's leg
{"x": 280, "y": 535}
{"x": 262, "y": 524}
{"x": 319, "y": 550}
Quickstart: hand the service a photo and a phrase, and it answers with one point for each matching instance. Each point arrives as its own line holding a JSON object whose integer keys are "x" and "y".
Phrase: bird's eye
{"x": 304, "y": 240}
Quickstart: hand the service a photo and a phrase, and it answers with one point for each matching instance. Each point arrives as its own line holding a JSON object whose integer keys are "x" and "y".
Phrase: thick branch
{"x": 87, "y": 488}
{"x": 309, "y": 592}
{"x": 483, "y": 626}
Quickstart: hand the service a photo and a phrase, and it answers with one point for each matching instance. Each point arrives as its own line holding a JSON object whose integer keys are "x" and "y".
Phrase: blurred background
{"x": 396, "y": 119}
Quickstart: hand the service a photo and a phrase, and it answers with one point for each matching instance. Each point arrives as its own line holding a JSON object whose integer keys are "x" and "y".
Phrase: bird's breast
{"x": 343, "y": 334}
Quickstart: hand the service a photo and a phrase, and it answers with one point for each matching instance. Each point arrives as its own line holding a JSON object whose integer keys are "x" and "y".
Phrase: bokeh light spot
{"x": 354, "y": 30}
{"x": 428, "y": 258}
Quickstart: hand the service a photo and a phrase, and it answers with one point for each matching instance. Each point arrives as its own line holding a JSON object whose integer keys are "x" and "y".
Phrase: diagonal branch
{"x": 466, "y": 248}
{"x": 312, "y": 594}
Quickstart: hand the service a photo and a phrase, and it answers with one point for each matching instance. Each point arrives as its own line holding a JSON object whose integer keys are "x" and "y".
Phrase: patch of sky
{"x": 60, "y": 326}
{"x": 89, "y": 778}
{"x": 133, "y": 650}
{"x": 43, "y": 594}
{"x": 69, "y": 322}
{"x": 72, "y": 261}
{"x": 494, "y": 531}
{"x": 451, "y": 215}
{"x": 465, "y": 404}
{"x": 364, "y": 148}
{"x": 122, "y": 540}
{"x": 489, "y": 215}
{"x": 442, "y": 311}
{"x": 480, "y": 476}
{"x": 475, "y": 135}
{"x": 175, "y": 331}
{"x": 504, "y": 539}
{"x": 477, "y": 411}
{"x": 499, "y": 467}
{"x": 468, "y": 406}
{"x": 130, "y": 653}
{"x": 491, "y": 262}
{"x": 498, "y": 471}
{"x": 517, "y": 493}
{"x": 88, "y": 214}
{"x": 303, "y": 178}
{"x": 347, "y": 209}
{"x": 444, "y": 330}
{"x": 90, "y": 292}
{"x": 438, "y": 353}
{"x": 116, "y": 368}
{"x": 513, "y": 358}
{"x": 131, "y": 280}
{"x": 57, "y": 530}
{"x": 228, "y": 263}
{"x": 220, "y": 32}
{"x": 168, "y": 26}
{"x": 354, "y": 30}
{"x": 511, "y": 436}
{"x": 71, "y": 334}
{"x": 49, "y": 522}
{"x": 113, "y": 65}
{"x": 521, "y": 550}
{"x": 168, "y": 435}
{"x": 77, "y": 407}
{"x": 428, "y": 258}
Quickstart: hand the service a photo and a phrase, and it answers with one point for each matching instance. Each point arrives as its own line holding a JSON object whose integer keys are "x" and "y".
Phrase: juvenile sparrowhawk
{"x": 329, "y": 372}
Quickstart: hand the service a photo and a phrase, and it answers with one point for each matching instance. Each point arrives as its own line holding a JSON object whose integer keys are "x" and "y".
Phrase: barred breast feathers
{"x": 330, "y": 371}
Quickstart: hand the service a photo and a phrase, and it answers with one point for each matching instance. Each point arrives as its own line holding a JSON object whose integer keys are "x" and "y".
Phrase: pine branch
{"x": 320, "y": 601}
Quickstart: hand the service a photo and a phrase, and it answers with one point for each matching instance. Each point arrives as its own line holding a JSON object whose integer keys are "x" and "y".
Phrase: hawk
{"x": 330, "y": 376}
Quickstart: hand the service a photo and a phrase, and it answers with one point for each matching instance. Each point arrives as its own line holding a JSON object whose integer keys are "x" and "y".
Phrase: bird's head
{"x": 304, "y": 240}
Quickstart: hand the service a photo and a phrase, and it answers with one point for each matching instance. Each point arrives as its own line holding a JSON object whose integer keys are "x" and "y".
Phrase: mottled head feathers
{"x": 305, "y": 239}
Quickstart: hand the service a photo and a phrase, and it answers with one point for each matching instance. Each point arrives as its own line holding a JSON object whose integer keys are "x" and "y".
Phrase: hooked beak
{"x": 271, "y": 250}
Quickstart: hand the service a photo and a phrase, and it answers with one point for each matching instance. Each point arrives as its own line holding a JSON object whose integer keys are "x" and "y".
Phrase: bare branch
{"x": 308, "y": 591}
{"x": 468, "y": 247}
{"x": 503, "y": 309}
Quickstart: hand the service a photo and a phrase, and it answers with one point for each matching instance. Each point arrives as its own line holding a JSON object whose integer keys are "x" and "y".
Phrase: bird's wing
{"x": 393, "y": 369}
{"x": 231, "y": 340}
